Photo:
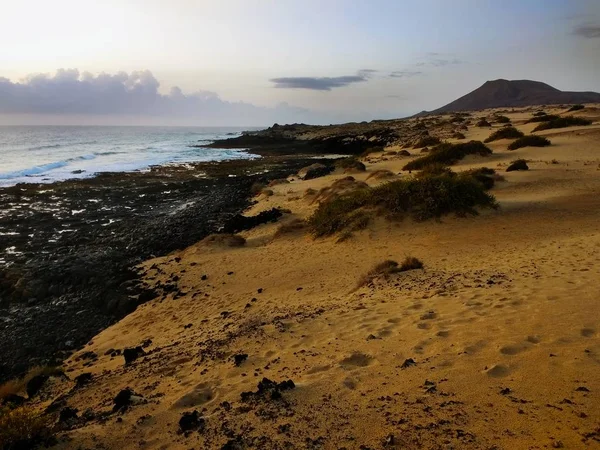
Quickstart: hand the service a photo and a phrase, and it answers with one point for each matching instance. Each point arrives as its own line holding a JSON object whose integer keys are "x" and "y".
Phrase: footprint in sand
{"x": 588, "y": 332}
{"x": 498, "y": 371}
{"x": 513, "y": 349}
{"x": 201, "y": 394}
{"x": 356, "y": 359}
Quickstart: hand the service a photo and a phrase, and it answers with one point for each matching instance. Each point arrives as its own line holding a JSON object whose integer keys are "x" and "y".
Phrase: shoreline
{"x": 75, "y": 244}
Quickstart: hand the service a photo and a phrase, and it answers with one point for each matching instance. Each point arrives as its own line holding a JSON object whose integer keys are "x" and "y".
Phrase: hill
{"x": 514, "y": 93}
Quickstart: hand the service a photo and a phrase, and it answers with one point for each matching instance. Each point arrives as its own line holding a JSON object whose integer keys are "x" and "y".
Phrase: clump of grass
{"x": 543, "y": 118}
{"x": 434, "y": 170}
{"x": 575, "y": 108}
{"x": 518, "y": 164}
{"x": 291, "y": 227}
{"x": 504, "y": 133}
{"x": 381, "y": 174}
{"x": 483, "y": 123}
{"x": 23, "y": 428}
{"x": 562, "y": 122}
{"x": 389, "y": 267}
{"x": 426, "y": 141}
{"x": 502, "y": 119}
{"x": 403, "y": 153}
{"x": 225, "y": 240}
{"x": 19, "y": 385}
{"x": 278, "y": 181}
{"x": 485, "y": 176}
{"x": 449, "y": 154}
{"x": 529, "y": 141}
{"x": 421, "y": 198}
{"x": 458, "y": 135}
{"x": 350, "y": 164}
{"x": 337, "y": 188}
{"x": 539, "y": 113}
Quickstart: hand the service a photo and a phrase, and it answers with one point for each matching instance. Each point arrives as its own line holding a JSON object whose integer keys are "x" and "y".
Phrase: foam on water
{"x": 48, "y": 154}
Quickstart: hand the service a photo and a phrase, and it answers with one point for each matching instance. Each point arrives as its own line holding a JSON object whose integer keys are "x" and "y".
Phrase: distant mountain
{"x": 514, "y": 93}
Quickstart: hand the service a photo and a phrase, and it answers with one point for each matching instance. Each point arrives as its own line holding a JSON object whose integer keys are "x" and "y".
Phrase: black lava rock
{"x": 133, "y": 353}
{"x": 35, "y": 384}
{"x": 239, "y": 359}
{"x": 83, "y": 379}
{"x": 191, "y": 421}
{"x": 241, "y": 223}
{"x": 519, "y": 164}
{"x": 67, "y": 414}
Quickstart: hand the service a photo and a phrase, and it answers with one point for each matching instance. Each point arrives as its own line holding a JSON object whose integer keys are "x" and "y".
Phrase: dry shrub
{"x": 381, "y": 174}
{"x": 291, "y": 227}
{"x": 483, "y": 123}
{"x": 389, "y": 267}
{"x": 501, "y": 119}
{"x": 449, "y": 154}
{"x": 563, "y": 122}
{"x": 18, "y": 385}
{"x": 504, "y": 133}
{"x": 458, "y": 135}
{"x": 337, "y": 188}
{"x": 23, "y": 428}
{"x": 350, "y": 165}
{"x": 426, "y": 141}
{"x": 575, "y": 108}
{"x": 529, "y": 141}
{"x": 420, "y": 198}
{"x": 267, "y": 192}
{"x": 224, "y": 240}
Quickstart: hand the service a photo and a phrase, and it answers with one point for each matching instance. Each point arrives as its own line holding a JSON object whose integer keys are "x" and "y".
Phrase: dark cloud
{"x": 587, "y": 31}
{"x": 405, "y": 73}
{"x": 321, "y": 83}
{"x": 75, "y": 94}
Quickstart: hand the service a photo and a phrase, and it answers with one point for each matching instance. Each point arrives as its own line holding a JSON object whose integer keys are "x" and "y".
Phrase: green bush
{"x": 485, "y": 176}
{"x": 426, "y": 141}
{"x": 575, "y": 108}
{"x": 543, "y": 118}
{"x": 562, "y": 122}
{"x": 529, "y": 141}
{"x": 449, "y": 154}
{"x": 22, "y": 428}
{"x": 421, "y": 198}
{"x": 502, "y": 119}
{"x": 504, "y": 133}
{"x": 483, "y": 123}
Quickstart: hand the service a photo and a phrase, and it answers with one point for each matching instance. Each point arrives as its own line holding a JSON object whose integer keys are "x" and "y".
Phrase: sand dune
{"x": 495, "y": 344}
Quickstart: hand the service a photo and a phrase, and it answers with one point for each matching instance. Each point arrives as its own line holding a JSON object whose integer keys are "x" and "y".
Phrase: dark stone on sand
{"x": 403, "y": 153}
{"x": 67, "y": 414}
{"x": 13, "y": 399}
{"x": 125, "y": 398}
{"x": 268, "y": 389}
{"x": 517, "y": 165}
{"x": 314, "y": 171}
{"x": 408, "y": 363}
{"x": 190, "y": 421}
{"x": 239, "y": 359}
{"x": 35, "y": 385}
{"x": 505, "y": 391}
{"x": 241, "y": 223}
{"x": 133, "y": 353}
{"x": 83, "y": 379}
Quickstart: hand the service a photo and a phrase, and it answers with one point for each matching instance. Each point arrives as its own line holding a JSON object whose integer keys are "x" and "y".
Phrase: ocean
{"x": 45, "y": 154}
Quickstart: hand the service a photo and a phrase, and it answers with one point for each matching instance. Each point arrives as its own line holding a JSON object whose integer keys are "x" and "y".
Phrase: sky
{"x": 256, "y": 62}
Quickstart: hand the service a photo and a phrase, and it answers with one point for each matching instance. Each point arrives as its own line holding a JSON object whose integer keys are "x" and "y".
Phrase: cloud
{"x": 587, "y": 31}
{"x": 405, "y": 73}
{"x": 367, "y": 72}
{"x": 438, "y": 62}
{"x": 136, "y": 94}
{"x": 321, "y": 83}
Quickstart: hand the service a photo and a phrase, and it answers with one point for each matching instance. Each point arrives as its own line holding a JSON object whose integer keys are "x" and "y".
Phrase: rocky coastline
{"x": 71, "y": 247}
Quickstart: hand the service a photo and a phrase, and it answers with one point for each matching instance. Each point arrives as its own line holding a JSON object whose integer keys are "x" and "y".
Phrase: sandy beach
{"x": 494, "y": 344}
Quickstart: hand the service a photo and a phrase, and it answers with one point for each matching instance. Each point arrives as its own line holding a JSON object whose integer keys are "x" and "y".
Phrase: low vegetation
{"x": 18, "y": 386}
{"x": 529, "y": 141}
{"x": 389, "y": 267}
{"x": 350, "y": 164}
{"x": 562, "y": 122}
{"x": 542, "y": 118}
{"x": 449, "y": 154}
{"x": 504, "y": 133}
{"x": 381, "y": 174}
{"x": 421, "y": 198}
{"x": 539, "y": 113}
{"x": 426, "y": 141}
{"x": 23, "y": 428}
{"x": 518, "y": 164}
{"x": 483, "y": 123}
{"x": 576, "y": 108}
{"x": 501, "y": 119}
{"x": 291, "y": 227}
{"x": 458, "y": 135}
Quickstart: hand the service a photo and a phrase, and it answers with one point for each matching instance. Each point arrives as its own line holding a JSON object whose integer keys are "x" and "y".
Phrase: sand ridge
{"x": 495, "y": 344}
